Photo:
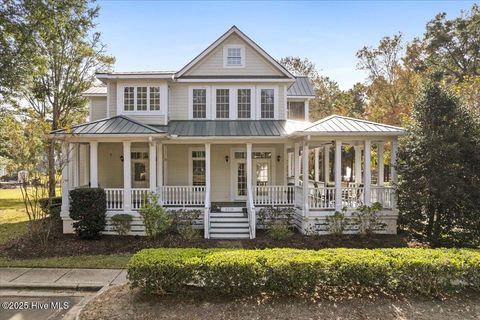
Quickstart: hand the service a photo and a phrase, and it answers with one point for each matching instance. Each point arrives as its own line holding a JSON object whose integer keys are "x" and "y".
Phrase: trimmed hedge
{"x": 88, "y": 206}
{"x": 238, "y": 272}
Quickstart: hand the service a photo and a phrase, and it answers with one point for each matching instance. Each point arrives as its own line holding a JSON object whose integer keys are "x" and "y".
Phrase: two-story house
{"x": 228, "y": 133}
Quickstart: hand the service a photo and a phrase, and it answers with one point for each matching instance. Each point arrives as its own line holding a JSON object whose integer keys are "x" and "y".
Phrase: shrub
{"x": 183, "y": 221}
{"x": 238, "y": 272}
{"x": 156, "y": 221}
{"x": 337, "y": 222}
{"x": 121, "y": 223}
{"x": 367, "y": 218}
{"x": 277, "y": 221}
{"x": 88, "y": 206}
{"x": 52, "y": 206}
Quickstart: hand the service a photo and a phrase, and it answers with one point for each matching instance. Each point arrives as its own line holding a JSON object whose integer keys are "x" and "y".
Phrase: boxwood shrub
{"x": 88, "y": 206}
{"x": 238, "y": 272}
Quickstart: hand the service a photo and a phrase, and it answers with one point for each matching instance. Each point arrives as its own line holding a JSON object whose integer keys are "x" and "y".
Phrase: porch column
{"x": 94, "y": 164}
{"x": 127, "y": 177}
{"x": 290, "y": 165}
{"x": 249, "y": 170}
{"x": 381, "y": 164}
{"x": 207, "y": 174}
{"x": 159, "y": 164}
{"x": 305, "y": 178}
{"x": 326, "y": 164}
{"x": 358, "y": 164}
{"x": 316, "y": 164}
{"x": 368, "y": 174}
{"x": 338, "y": 175}
{"x": 152, "y": 157}
{"x": 71, "y": 165}
{"x": 65, "y": 197}
{"x": 393, "y": 171}
{"x": 296, "y": 163}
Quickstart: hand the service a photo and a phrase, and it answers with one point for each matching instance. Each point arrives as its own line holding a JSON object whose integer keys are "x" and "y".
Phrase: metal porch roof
{"x": 340, "y": 124}
{"x": 115, "y": 125}
{"x": 301, "y": 87}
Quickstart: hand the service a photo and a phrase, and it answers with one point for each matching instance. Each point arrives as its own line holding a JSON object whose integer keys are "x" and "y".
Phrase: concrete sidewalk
{"x": 51, "y": 278}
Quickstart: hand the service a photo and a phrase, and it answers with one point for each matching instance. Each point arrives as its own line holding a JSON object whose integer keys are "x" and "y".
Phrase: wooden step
{"x": 229, "y": 236}
{"x": 229, "y": 230}
{"x": 229, "y": 225}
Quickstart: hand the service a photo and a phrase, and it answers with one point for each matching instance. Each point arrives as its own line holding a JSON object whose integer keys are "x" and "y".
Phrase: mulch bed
{"x": 70, "y": 245}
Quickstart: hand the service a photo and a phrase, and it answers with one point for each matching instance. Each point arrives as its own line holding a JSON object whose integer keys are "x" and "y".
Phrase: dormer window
{"x": 234, "y": 56}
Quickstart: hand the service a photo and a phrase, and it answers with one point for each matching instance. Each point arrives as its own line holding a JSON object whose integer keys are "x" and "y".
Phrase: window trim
{"x": 190, "y": 162}
{"x": 207, "y": 102}
{"x": 121, "y": 95}
{"x": 259, "y": 102}
{"x": 225, "y": 55}
{"x": 214, "y": 99}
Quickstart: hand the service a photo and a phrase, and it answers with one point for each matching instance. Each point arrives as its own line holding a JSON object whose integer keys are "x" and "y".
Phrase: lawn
{"x": 13, "y": 219}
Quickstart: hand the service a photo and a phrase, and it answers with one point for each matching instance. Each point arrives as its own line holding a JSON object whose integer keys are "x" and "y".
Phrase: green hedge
{"x": 88, "y": 206}
{"x": 296, "y": 272}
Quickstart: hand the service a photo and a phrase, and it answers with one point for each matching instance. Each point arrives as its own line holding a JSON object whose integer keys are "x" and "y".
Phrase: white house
{"x": 227, "y": 134}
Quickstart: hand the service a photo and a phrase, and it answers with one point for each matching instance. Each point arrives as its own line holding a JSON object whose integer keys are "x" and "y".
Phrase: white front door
{"x": 240, "y": 181}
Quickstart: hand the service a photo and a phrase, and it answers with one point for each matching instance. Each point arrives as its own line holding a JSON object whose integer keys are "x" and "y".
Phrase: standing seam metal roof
{"x": 341, "y": 124}
{"x": 301, "y": 87}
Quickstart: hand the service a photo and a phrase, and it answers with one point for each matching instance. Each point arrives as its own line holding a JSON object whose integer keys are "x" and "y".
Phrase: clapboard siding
{"x": 98, "y": 108}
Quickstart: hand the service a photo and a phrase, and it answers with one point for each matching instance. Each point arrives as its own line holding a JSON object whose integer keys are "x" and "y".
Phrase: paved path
{"x": 52, "y": 278}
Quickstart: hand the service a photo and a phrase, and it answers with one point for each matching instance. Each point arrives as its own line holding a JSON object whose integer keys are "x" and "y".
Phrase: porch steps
{"x": 229, "y": 224}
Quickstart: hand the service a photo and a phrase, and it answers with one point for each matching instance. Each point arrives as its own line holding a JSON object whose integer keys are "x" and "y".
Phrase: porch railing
{"x": 183, "y": 195}
{"x": 114, "y": 198}
{"x": 139, "y": 197}
{"x": 321, "y": 198}
{"x": 274, "y": 195}
{"x": 352, "y": 197}
{"x": 384, "y": 195}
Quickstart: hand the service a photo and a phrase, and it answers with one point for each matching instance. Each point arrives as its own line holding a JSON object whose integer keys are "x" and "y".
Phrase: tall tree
{"x": 439, "y": 189}
{"x": 62, "y": 36}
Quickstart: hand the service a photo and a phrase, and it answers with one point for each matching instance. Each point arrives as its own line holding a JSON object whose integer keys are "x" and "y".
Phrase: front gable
{"x": 255, "y": 61}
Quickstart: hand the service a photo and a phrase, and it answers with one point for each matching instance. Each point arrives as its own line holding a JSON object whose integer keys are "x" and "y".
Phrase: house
{"x": 227, "y": 134}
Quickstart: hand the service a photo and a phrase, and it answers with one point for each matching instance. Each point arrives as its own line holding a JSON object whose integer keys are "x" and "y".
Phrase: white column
{"x": 326, "y": 164}
{"x": 159, "y": 164}
{"x": 249, "y": 170}
{"x": 152, "y": 162}
{"x": 381, "y": 164}
{"x": 338, "y": 175}
{"x": 290, "y": 165}
{"x": 368, "y": 174}
{"x": 358, "y": 164}
{"x": 127, "y": 177}
{"x": 305, "y": 178}
{"x": 296, "y": 162}
{"x": 393, "y": 162}
{"x": 71, "y": 165}
{"x": 94, "y": 164}
{"x": 316, "y": 164}
{"x": 208, "y": 180}
{"x": 65, "y": 200}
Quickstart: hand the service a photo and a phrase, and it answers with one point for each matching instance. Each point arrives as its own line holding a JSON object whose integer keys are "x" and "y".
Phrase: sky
{"x": 160, "y": 35}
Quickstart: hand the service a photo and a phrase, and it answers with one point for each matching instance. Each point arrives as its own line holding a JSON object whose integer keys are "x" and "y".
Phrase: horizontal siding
{"x": 212, "y": 64}
{"x": 112, "y": 98}
{"x": 110, "y": 167}
{"x": 178, "y": 101}
{"x": 98, "y": 108}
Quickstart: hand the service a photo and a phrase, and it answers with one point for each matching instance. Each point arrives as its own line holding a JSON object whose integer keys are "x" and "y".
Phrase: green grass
{"x": 13, "y": 219}
{"x": 113, "y": 261}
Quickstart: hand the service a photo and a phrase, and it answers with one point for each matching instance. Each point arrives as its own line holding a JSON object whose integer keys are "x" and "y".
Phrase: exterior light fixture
{"x": 226, "y": 158}
{"x": 278, "y": 158}
{"x": 121, "y": 158}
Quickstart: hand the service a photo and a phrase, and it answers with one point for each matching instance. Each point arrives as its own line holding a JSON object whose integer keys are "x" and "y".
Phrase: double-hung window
{"x": 267, "y": 103}
{"x": 141, "y": 98}
{"x": 223, "y": 103}
{"x": 154, "y": 98}
{"x": 244, "y": 103}
{"x": 129, "y": 98}
{"x": 234, "y": 56}
{"x": 198, "y": 167}
{"x": 199, "y": 103}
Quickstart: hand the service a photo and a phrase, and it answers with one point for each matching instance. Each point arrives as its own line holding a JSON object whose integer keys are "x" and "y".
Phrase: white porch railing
{"x": 352, "y": 197}
{"x": 182, "y": 195}
{"x": 273, "y": 195}
{"x": 114, "y": 198}
{"x": 139, "y": 197}
{"x": 384, "y": 195}
{"x": 321, "y": 198}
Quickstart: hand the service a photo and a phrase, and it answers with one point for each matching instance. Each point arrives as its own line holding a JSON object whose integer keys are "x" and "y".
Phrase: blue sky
{"x": 156, "y": 35}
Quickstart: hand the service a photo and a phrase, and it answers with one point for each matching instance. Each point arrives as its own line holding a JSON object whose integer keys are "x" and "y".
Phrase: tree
{"x": 391, "y": 86}
{"x": 438, "y": 166}
{"x": 69, "y": 53}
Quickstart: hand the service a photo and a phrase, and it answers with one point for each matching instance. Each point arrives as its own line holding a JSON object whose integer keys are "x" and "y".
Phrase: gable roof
{"x": 302, "y": 87}
{"x": 96, "y": 91}
{"x": 114, "y": 125}
{"x": 245, "y": 38}
{"x": 335, "y": 124}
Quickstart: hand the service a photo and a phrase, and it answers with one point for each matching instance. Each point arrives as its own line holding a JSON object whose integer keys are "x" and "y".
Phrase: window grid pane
{"x": 154, "y": 98}
{"x": 234, "y": 56}
{"x": 244, "y": 103}
{"x": 296, "y": 110}
{"x": 199, "y": 103}
{"x": 267, "y": 103}
{"x": 128, "y": 99}
{"x": 223, "y": 103}
{"x": 198, "y": 172}
{"x": 141, "y": 98}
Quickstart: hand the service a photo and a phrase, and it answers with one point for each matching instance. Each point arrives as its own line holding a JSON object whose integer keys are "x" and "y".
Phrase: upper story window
{"x": 244, "y": 103}
{"x": 199, "y": 103}
{"x": 154, "y": 98}
{"x": 141, "y": 98}
{"x": 223, "y": 103}
{"x": 267, "y": 103}
{"x": 129, "y": 98}
{"x": 296, "y": 110}
{"x": 234, "y": 56}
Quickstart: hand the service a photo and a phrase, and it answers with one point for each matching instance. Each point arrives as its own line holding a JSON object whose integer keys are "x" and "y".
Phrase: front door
{"x": 139, "y": 167}
{"x": 261, "y": 175}
{"x": 240, "y": 189}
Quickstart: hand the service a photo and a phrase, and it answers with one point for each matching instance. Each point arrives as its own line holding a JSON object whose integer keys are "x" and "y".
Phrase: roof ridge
{"x": 368, "y": 121}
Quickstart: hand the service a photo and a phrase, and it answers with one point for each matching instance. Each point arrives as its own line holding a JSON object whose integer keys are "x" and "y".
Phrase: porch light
{"x": 278, "y": 158}
{"x": 121, "y": 158}
{"x": 226, "y": 158}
